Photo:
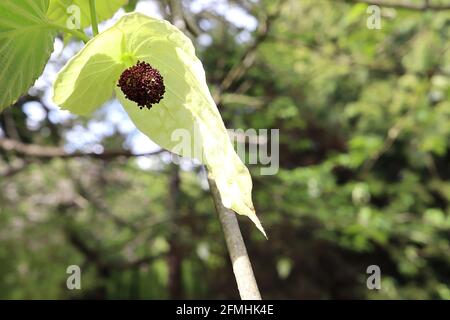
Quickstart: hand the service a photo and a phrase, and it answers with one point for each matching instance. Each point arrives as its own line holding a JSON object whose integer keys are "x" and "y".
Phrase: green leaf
{"x": 187, "y": 106}
{"x": 58, "y": 13}
{"x": 26, "y": 42}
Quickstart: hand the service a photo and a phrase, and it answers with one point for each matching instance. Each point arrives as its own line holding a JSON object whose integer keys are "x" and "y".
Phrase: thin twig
{"x": 391, "y": 137}
{"x": 401, "y": 4}
{"x": 14, "y": 169}
{"x": 242, "y": 268}
{"x": 248, "y": 58}
{"x": 43, "y": 152}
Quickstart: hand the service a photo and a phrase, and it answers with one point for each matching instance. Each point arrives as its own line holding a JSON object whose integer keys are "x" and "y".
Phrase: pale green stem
{"x": 93, "y": 17}
{"x": 76, "y": 33}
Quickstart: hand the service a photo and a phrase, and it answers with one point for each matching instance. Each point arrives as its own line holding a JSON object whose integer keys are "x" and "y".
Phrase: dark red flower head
{"x": 142, "y": 84}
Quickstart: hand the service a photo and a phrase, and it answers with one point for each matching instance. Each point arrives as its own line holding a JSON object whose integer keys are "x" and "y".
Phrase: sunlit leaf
{"x": 60, "y": 11}
{"x": 26, "y": 42}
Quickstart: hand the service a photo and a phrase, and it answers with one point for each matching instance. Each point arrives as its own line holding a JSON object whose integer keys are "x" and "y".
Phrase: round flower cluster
{"x": 142, "y": 84}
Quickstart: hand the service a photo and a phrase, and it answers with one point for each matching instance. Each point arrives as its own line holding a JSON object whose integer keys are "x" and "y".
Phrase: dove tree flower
{"x": 140, "y": 49}
{"x": 152, "y": 69}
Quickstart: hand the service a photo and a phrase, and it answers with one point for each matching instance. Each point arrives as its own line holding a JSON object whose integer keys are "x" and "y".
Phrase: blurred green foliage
{"x": 364, "y": 119}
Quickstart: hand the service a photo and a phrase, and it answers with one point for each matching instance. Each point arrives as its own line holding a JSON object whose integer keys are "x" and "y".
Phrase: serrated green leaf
{"x": 26, "y": 42}
{"x": 187, "y": 103}
{"x": 57, "y": 11}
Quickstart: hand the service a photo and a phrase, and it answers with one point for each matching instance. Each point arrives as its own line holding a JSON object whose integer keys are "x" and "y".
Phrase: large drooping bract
{"x": 186, "y": 108}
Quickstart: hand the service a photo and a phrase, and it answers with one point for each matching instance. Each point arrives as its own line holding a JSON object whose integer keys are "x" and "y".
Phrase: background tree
{"x": 364, "y": 119}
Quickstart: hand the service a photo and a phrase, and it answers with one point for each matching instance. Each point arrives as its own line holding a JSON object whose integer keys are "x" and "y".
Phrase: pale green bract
{"x": 88, "y": 79}
{"x": 26, "y": 42}
{"x": 60, "y": 11}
